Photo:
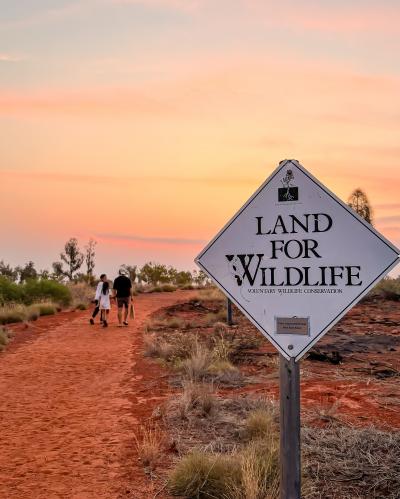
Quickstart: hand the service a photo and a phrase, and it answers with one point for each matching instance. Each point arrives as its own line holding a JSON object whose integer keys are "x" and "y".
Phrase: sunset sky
{"x": 146, "y": 124}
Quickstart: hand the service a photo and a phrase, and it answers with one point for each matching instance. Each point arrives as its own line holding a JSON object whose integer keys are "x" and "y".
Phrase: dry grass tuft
{"x": 149, "y": 444}
{"x": 81, "y": 292}
{"x": 252, "y": 473}
{"x": 158, "y": 348}
{"x": 47, "y": 308}
{"x": 195, "y": 396}
{"x": 209, "y": 294}
{"x": 4, "y": 337}
{"x": 196, "y": 366}
{"x": 13, "y": 313}
{"x": 220, "y": 328}
{"x": 259, "y": 466}
{"x": 203, "y": 475}
{"x": 362, "y": 462}
{"x": 260, "y": 423}
{"x": 165, "y": 323}
{"x": 162, "y": 288}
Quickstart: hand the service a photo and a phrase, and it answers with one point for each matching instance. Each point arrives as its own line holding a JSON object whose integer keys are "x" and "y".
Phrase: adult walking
{"x": 123, "y": 293}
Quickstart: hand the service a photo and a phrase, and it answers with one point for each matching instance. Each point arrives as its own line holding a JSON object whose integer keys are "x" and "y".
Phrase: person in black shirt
{"x": 123, "y": 294}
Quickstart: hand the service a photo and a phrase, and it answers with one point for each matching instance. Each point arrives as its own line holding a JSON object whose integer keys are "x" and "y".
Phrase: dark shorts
{"x": 123, "y": 301}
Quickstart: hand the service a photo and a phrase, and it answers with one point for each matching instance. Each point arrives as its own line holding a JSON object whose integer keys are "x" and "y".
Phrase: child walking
{"x": 104, "y": 302}
{"x": 99, "y": 288}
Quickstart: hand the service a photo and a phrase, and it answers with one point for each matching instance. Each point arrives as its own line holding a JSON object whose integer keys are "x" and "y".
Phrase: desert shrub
{"x": 164, "y": 323}
{"x": 222, "y": 347}
{"x": 366, "y": 462}
{"x": 220, "y": 328}
{"x": 149, "y": 443}
{"x": 32, "y": 313}
{"x": 158, "y": 348}
{"x": 209, "y": 294}
{"x": 187, "y": 287}
{"x": 260, "y": 423}
{"x": 81, "y": 293}
{"x": 195, "y": 396}
{"x": 10, "y": 291}
{"x": 213, "y": 318}
{"x": 225, "y": 373}
{"x": 38, "y": 290}
{"x": 252, "y": 473}
{"x": 47, "y": 308}
{"x": 219, "y": 366}
{"x": 4, "y": 337}
{"x": 162, "y": 288}
{"x": 201, "y": 475}
{"x": 196, "y": 366}
{"x": 259, "y": 470}
{"x": 12, "y": 313}
{"x": 81, "y": 306}
{"x": 388, "y": 289}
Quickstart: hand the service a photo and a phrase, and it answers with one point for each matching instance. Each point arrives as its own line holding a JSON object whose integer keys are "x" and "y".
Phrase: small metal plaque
{"x": 292, "y": 325}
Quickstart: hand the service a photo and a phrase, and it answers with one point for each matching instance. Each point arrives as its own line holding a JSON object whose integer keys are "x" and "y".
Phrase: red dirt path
{"x": 71, "y": 397}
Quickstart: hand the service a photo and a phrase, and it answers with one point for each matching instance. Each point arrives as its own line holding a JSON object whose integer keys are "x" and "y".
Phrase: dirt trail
{"x": 70, "y": 400}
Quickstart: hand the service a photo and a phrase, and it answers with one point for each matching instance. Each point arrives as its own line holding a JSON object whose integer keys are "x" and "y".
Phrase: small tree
{"x": 58, "y": 271}
{"x": 72, "y": 257}
{"x": 200, "y": 277}
{"x": 183, "y": 278}
{"x": 154, "y": 273}
{"x": 44, "y": 274}
{"x": 7, "y": 271}
{"x": 89, "y": 258}
{"x": 358, "y": 201}
{"x": 27, "y": 272}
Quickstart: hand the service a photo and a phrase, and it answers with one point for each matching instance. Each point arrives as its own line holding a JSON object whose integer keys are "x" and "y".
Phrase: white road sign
{"x": 295, "y": 259}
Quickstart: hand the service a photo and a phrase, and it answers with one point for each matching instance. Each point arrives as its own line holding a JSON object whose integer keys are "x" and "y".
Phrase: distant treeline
{"x": 26, "y": 284}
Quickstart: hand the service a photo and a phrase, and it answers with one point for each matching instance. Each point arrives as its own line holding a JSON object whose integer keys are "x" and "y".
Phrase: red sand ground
{"x": 71, "y": 397}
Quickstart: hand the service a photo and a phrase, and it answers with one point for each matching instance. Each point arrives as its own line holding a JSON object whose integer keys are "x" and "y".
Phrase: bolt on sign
{"x": 295, "y": 259}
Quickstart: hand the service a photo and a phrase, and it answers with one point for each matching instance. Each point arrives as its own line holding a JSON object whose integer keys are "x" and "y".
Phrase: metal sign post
{"x": 289, "y": 381}
{"x": 229, "y": 319}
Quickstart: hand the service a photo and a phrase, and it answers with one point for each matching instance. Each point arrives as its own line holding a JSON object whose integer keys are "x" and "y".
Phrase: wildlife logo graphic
{"x": 288, "y": 192}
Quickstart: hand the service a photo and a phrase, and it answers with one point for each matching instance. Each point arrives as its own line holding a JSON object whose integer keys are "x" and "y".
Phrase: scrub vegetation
{"x": 220, "y": 434}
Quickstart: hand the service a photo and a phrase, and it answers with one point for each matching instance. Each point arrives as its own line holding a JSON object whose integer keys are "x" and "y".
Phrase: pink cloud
{"x": 323, "y": 18}
{"x": 10, "y": 58}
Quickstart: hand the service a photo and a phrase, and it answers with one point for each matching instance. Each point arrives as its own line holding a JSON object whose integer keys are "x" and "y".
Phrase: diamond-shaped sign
{"x": 295, "y": 258}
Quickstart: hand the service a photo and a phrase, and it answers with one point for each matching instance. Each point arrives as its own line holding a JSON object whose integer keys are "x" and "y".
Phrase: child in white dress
{"x": 96, "y": 300}
{"x": 104, "y": 302}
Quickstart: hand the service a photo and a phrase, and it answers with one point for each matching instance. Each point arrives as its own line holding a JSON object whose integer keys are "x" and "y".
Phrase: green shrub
{"x": 10, "y": 291}
{"x": 37, "y": 290}
{"x": 201, "y": 475}
{"x": 388, "y": 289}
